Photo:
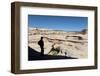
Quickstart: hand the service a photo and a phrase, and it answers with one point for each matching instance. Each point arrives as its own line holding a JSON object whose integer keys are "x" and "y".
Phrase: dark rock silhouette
{"x": 34, "y": 55}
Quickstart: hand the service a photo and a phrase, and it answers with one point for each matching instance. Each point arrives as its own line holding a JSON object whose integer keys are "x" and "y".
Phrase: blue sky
{"x": 65, "y": 23}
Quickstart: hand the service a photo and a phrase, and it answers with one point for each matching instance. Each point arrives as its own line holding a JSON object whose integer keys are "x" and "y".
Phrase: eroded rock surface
{"x": 57, "y": 42}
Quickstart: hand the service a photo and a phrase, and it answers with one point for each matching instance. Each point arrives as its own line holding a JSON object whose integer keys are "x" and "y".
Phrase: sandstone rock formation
{"x": 58, "y": 42}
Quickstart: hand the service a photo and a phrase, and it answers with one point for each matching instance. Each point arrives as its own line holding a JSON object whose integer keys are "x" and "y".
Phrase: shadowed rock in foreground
{"x": 69, "y": 44}
{"x": 34, "y": 55}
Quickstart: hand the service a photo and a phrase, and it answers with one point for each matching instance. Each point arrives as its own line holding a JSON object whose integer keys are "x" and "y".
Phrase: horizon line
{"x": 55, "y": 29}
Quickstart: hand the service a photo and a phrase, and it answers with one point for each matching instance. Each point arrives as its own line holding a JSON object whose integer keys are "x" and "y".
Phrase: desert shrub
{"x": 84, "y": 31}
{"x": 55, "y": 51}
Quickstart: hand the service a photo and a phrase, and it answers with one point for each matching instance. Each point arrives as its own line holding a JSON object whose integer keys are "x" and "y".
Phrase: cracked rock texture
{"x": 58, "y": 42}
